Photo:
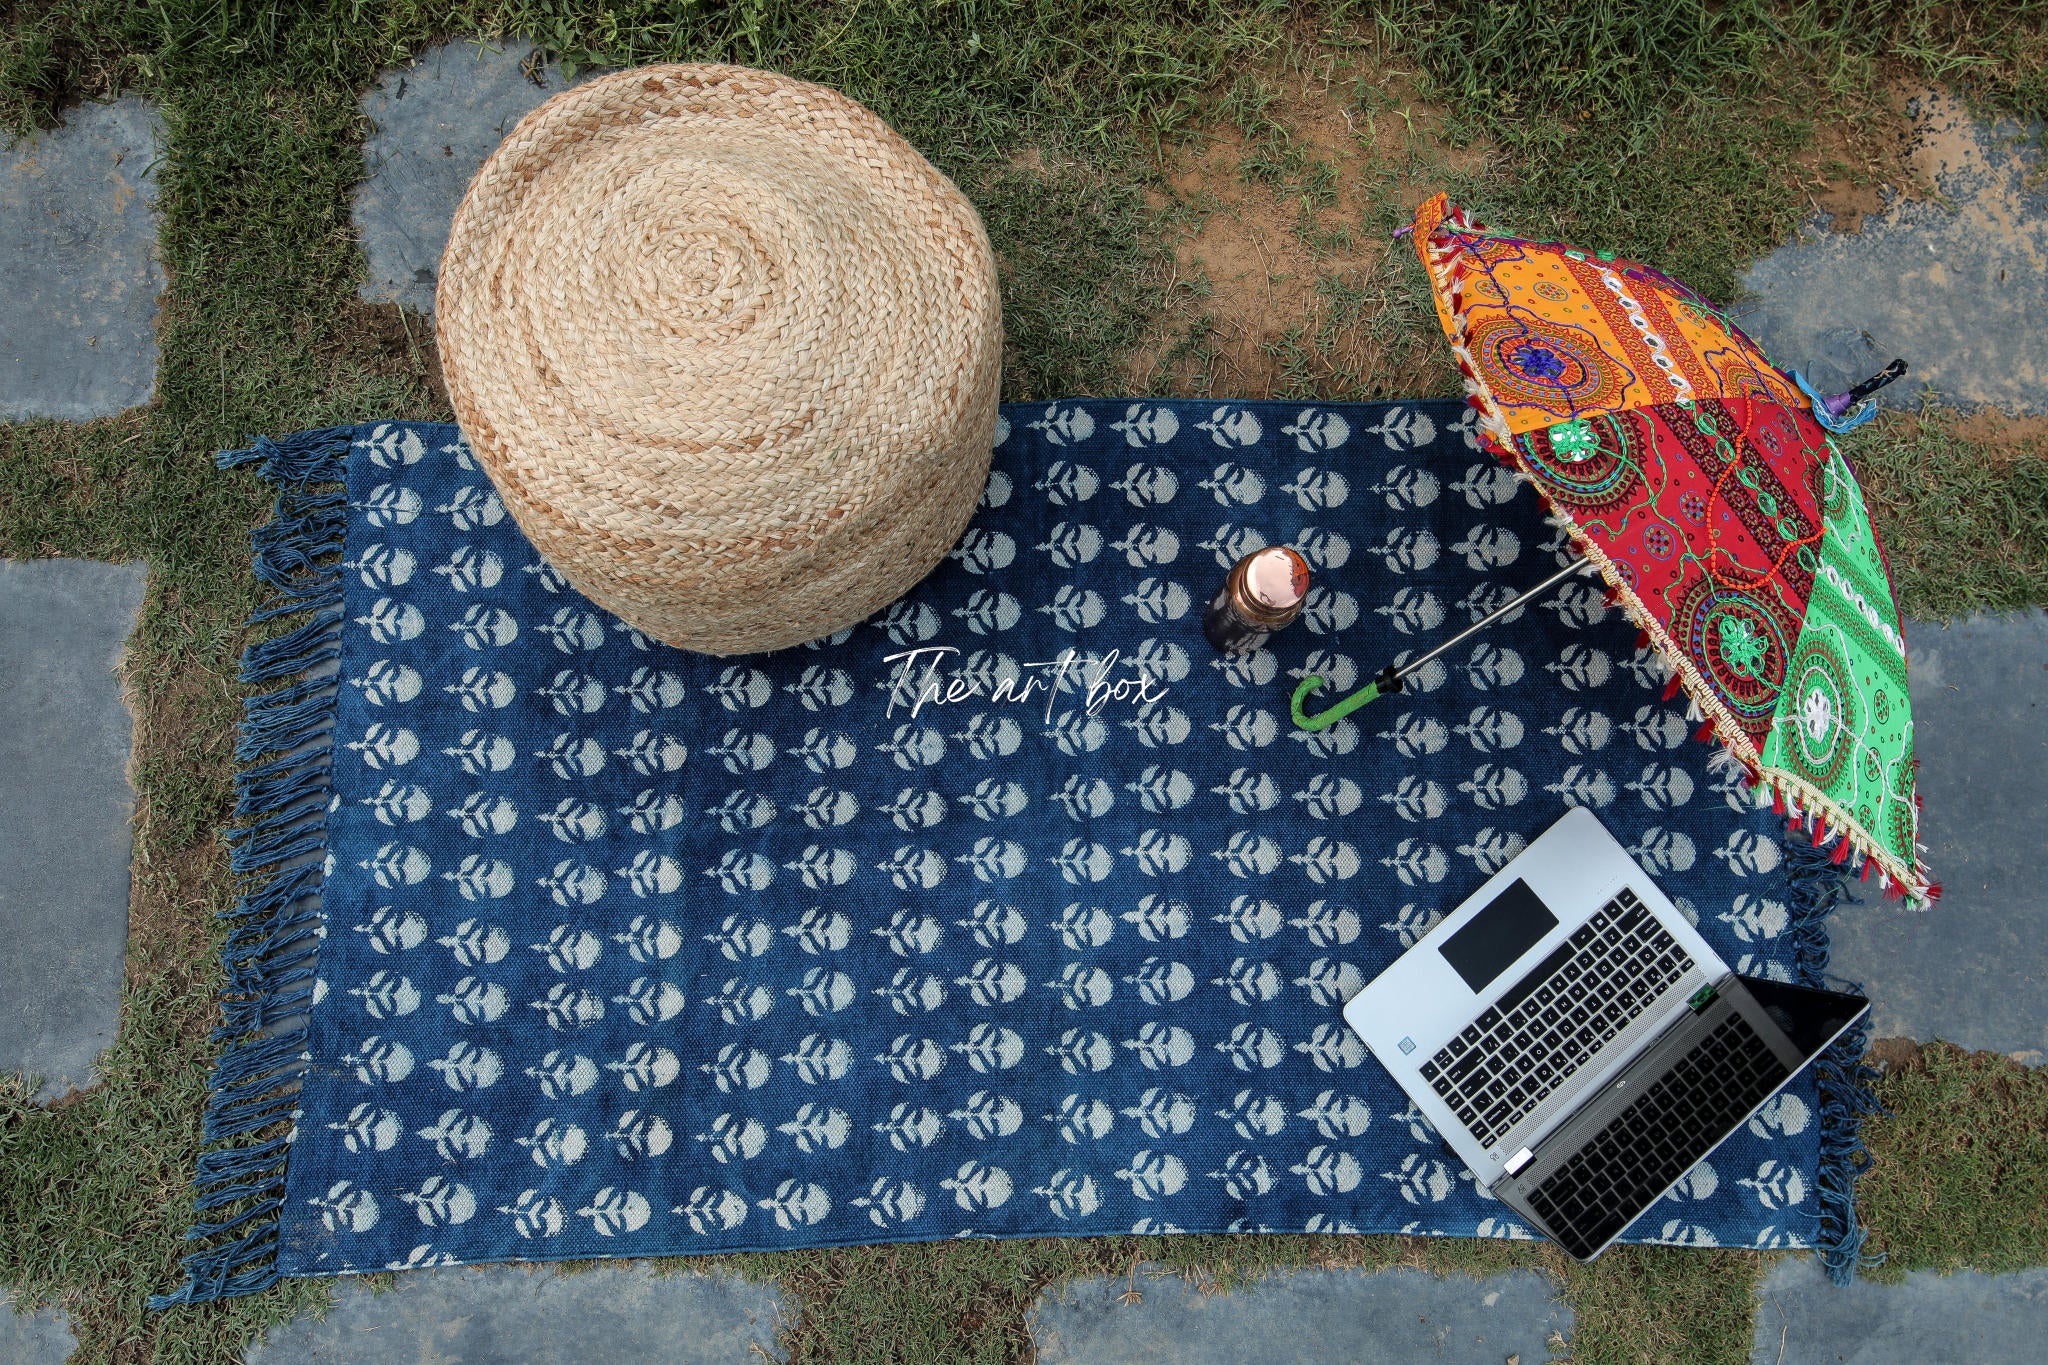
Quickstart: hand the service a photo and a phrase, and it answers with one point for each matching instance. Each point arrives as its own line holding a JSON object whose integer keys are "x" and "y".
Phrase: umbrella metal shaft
{"x": 1389, "y": 679}
{"x": 1483, "y": 622}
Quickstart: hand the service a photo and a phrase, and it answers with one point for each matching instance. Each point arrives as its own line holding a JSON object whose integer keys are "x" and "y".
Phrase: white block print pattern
{"x": 634, "y": 952}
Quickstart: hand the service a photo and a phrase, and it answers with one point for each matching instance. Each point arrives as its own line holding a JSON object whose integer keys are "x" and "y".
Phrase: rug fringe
{"x": 1819, "y": 884}
{"x": 273, "y": 938}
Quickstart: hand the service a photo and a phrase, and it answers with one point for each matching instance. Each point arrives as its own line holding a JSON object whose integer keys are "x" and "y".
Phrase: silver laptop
{"x": 1577, "y": 1043}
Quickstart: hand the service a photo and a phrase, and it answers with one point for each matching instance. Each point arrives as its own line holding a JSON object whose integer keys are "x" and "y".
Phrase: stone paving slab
{"x": 432, "y": 126}
{"x": 622, "y": 1314}
{"x": 1968, "y": 1316}
{"x": 79, "y": 276}
{"x": 1974, "y": 969}
{"x": 39, "y": 1338}
{"x": 65, "y": 806}
{"x": 1959, "y": 289}
{"x": 1310, "y": 1317}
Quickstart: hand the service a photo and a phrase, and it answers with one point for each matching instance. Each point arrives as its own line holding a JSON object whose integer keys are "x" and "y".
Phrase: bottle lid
{"x": 1276, "y": 578}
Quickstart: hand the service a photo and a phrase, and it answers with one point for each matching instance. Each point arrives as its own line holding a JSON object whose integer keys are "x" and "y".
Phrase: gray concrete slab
{"x": 65, "y": 805}
{"x": 431, "y": 127}
{"x": 1957, "y": 285}
{"x": 1968, "y": 1316}
{"x": 39, "y": 1338}
{"x": 615, "y": 1314}
{"x": 1974, "y": 969}
{"x": 79, "y": 276}
{"x": 1311, "y": 1317}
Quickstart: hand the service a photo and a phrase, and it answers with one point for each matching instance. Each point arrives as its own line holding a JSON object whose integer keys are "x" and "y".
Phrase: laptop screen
{"x": 1810, "y": 1018}
{"x": 1509, "y": 926}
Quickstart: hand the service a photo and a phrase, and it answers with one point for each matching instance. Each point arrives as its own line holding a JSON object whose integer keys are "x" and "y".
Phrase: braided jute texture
{"x": 728, "y": 347}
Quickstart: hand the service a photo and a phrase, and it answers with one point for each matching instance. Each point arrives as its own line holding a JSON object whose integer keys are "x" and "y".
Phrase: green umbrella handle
{"x": 1387, "y": 681}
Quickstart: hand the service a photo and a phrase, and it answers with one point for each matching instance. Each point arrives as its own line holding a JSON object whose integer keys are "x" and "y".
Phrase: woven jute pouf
{"x": 728, "y": 347}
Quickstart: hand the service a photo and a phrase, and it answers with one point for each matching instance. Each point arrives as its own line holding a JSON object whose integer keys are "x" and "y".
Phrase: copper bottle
{"x": 1264, "y": 592}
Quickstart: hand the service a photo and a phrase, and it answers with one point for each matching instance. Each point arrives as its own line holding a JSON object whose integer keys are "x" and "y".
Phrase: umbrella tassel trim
{"x": 1806, "y": 803}
{"x": 1909, "y": 883}
{"x": 1827, "y": 829}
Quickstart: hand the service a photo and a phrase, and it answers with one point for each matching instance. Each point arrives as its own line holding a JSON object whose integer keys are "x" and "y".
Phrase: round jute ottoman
{"x": 728, "y": 347}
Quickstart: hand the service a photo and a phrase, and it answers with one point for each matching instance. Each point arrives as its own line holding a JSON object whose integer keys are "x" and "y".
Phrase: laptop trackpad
{"x": 1488, "y": 943}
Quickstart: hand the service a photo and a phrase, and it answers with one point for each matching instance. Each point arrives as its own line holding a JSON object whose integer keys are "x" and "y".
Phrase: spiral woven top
{"x": 729, "y": 348}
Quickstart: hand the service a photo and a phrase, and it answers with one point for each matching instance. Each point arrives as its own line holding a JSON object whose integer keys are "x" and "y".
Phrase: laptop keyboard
{"x": 1660, "y": 1137}
{"x": 1531, "y": 1040}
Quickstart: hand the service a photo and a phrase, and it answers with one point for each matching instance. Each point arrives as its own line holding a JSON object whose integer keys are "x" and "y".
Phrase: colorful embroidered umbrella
{"x": 1692, "y": 473}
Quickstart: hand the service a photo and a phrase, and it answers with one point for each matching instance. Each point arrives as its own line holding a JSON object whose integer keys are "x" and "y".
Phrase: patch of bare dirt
{"x": 1845, "y": 199}
{"x": 2005, "y": 436}
{"x": 1856, "y": 165}
{"x": 1901, "y": 143}
{"x": 1287, "y": 266}
{"x": 1952, "y": 149}
{"x": 1944, "y": 139}
{"x": 1893, "y": 1055}
{"x": 385, "y": 340}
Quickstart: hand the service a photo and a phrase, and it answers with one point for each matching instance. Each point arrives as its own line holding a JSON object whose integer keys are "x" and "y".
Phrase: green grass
{"x": 1654, "y": 127}
{"x": 1945, "y": 1194}
{"x": 1965, "y": 524}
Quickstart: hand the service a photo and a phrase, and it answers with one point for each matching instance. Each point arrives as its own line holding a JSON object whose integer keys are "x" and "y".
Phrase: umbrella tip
{"x": 1846, "y": 411}
{"x": 1842, "y": 402}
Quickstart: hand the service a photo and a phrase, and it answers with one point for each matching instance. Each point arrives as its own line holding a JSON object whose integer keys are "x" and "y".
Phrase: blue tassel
{"x": 280, "y": 891}
{"x": 1855, "y": 417}
{"x": 272, "y": 944}
{"x": 266, "y": 1209}
{"x": 276, "y": 827}
{"x": 322, "y": 595}
{"x": 258, "y": 980}
{"x": 274, "y": 846}
{"x": 282, "y": 782}
{"x": 312, "y": 804}
{"x": 272, "y": 728}
{"x": 295, "y": 651}
{"x": 246, "y": 1061}
{"x": 309, "y": 456}
{"x": 239, "y": 1014}
{"x": 316, "y": 456}
{"x": 1846, "y": 1100}
{"x": 1819, "y": 885}
{"x": 263, "y": 937}
{"x": 304, "y": 529}
{"x": 246, "y": 1266}
{"x": 235, "y": 1194}
{"x": 267, "y": 952}
{"x": 230, "y": 459}
{"x": 266, "y": 702}
{"x": 239, "y": 1163}
{"x": 251, "y": 1116}
{"x": 282, "y": 970}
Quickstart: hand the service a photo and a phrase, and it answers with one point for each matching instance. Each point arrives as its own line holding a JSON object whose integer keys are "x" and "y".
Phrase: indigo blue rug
{"x": 1016, "y": 910}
